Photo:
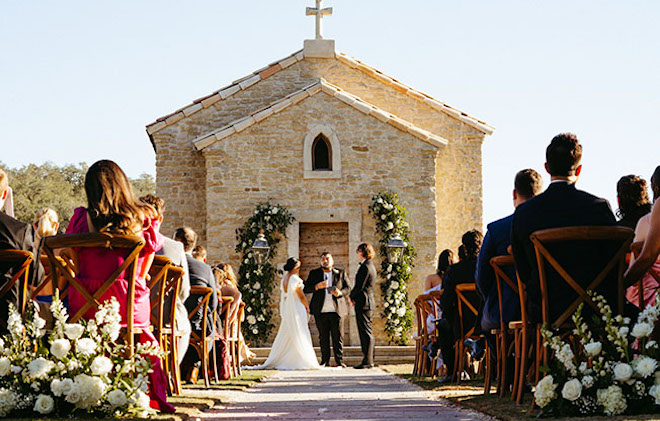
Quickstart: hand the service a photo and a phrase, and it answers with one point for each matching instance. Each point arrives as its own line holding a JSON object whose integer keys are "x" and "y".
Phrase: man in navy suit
{"x": 561, "y": 205}
{"x": 527, "y": 184}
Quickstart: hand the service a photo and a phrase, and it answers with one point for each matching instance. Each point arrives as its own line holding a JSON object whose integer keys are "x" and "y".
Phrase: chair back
{"x": 225, "y": 317}
{"x": 611, "y": 243}
{"x": 465, "y": 306}
{"x": 499, "y": 263}
{"x": 60, "y": 268}
{"x": 172, "y": 287}
{"x": 16, "y": 263}
{"x": 205, "y": 294}
{"x": 157, "y": 283}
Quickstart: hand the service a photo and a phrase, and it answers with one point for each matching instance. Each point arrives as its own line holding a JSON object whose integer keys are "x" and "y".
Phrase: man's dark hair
{"x": 563, "y": 155}
{"x": 633, "y": 196}
{"x": 187, "y": 237}
{"x": 155, "y": 201}
{"x": 528, "y": 183}
{"x": 326, "y": 253}
{"x": 472, "y": 241}
{"x": 367, "y": 250}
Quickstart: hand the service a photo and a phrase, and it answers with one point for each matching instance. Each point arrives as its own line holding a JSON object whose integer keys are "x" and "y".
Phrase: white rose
{"x": 256, "y": 285}
{"x": 654, "y": 392}
{"x": 117, "y": 398}
{"x": 641, "y": 330}
{"x": 40, "y": 367}
{"x": 251, "y": 319}
{"x": 401, "y": 311}
{"x": 73, "y": 331}
{"x": 383, "y": 217}
{"x": 74, "y": 395}
{"x": 5, "y": 365}
{"x": 390, "y": 226}
{"x": 85, "y": 346}
{"x": 142, "y": 400}
{"x": 623, "y": 372}
{"x": 60, "y": 347}
{"x": 255, "y": 331}
{"x": 572, "y": 390}
{"x": 101, "y": 365}
{"x": 545, "y": 391}
{"x": 593, "y": 348}
{"x": 379, "y": 200}
{"x": 44, "y": 404}
{"x": 275, "y": 209}
{"x": 645, "y": 366}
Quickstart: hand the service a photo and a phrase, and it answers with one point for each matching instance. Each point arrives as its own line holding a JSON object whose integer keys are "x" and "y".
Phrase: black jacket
{"x": 561, "y": 205}
{"x": 459, "y": 273}
{"x": 363, "y": 291}
{"x": 201, "y": 274}
{"x": 318, "y": 298}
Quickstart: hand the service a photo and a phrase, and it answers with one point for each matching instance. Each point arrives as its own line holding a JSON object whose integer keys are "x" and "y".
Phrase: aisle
{"x": 346, "y": 394}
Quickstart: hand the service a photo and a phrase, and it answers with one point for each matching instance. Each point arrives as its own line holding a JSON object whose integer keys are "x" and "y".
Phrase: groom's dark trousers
{"x": 328, "y": 323}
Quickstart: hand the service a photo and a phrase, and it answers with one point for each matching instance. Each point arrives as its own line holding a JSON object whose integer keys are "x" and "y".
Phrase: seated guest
{"x": 112, "y": 208}
{"x": 459, "y": 273}
{"x": 201, "y": 274}
{"x": 228, "y": 287}
{"x": 648, "y": 231}
{"x": 434, "y": 282}
{"x": 45, "y": 224}
{"x": 633, "y": 200}
{"x": 199, "y": 253}
{"x": 174, "y": 250}
{"x": 461, "y": 252}
{"x": 561, "y": 205}
{"x": 14, "y": 235}
{"x": 527, "y": 184}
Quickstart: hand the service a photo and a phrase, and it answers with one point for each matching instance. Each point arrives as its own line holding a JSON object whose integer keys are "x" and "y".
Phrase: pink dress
{"x": 95, "y": 266}
{"x": 649, "y": 281}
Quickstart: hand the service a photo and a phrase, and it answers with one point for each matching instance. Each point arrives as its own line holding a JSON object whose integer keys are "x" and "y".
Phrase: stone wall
{"x": 442, "y": 188}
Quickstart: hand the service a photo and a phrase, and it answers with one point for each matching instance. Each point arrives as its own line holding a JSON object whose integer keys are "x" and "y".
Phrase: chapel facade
{"x": 321, "y": 133}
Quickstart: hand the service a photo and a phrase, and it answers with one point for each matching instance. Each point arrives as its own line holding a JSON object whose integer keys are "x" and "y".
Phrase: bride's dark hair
{"x": 290, "y": 264}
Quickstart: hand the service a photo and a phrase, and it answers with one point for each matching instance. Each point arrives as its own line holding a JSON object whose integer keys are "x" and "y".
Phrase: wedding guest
{"x": 458, "y": 273}
{"x": 228, "y": 286}
{"x": 433, "y": 282}
{"x": 633, "y": 200}
{"x": 561, "y": 205}
{"x": 648, "y": 231}
{"x": 14, "y": 235}
{"x": 527, "y": 184}
{"x": 461, "y": 252}
{"x": 201, "y": 274}
{"x": 45, "y": 223}
{"x": 174, "y": 251}
{"x": 112, "y": 208}
{"x": 199, "y": 253}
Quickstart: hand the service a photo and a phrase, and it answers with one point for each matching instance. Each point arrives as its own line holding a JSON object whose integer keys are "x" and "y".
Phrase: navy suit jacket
{"x": 201, "y": 274}
{"x": 496, "y": 242}
{"x": 561, "y": 205}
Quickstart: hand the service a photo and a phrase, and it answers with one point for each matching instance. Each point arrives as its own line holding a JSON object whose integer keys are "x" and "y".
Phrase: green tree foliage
{"x": 60, "y": 188}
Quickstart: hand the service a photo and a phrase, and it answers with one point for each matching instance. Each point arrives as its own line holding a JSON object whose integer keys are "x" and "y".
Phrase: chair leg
{"x": 516, "y": 363}
{"x": 205, "y": 362}
{"x": 524, "y": 348}
{"x": 504, "y": 355}
{"x": 488, "y": 370}
{"x": 238, "y": 356}
{"x": 455, "y": 371}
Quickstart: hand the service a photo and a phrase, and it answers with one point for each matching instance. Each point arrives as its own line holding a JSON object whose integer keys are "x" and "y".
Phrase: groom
{"x": 329, "y": 286}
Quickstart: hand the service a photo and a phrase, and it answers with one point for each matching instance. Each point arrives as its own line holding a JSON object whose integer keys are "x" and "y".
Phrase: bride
{"x": 292, "y": 348}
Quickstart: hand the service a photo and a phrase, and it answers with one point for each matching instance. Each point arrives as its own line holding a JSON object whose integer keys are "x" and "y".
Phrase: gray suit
{"x": 174, "y": 250}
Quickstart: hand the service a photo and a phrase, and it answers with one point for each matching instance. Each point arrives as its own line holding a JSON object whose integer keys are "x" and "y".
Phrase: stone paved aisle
{"x": 346, "y": 394}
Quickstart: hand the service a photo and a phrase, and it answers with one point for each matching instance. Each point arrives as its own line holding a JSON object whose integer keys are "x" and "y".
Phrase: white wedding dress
{"x": 292, "y": 348}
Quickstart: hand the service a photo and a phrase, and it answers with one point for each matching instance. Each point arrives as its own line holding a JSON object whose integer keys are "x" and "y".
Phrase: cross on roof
{"x": 319, "y": 11}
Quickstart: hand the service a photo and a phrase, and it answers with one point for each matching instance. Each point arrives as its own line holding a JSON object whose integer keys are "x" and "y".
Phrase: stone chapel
{"x": 320, "y": 133}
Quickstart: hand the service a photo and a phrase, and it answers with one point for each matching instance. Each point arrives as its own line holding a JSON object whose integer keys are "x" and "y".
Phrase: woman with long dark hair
{"x": 113, "y": 208}
{"x": 434, "y": 281}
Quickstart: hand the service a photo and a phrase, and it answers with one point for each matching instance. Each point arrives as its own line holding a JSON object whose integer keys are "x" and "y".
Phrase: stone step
{"x": 398, "y": 351}
{"x": 353, "y": 355}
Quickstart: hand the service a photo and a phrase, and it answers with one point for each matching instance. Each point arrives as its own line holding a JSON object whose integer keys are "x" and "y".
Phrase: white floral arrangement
{"x": 606, "y": 369}
{"x": 389, "y": 216}
{"x": 79, "y": 367}
{"x": 256, "y": 282}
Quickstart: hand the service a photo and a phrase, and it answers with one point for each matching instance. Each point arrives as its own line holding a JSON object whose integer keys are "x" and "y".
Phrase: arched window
{"x": 321, "y": 154}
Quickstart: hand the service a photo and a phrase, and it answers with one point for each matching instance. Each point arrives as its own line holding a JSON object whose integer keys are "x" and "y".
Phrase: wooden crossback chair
{"x": 233, "y": 338}
{"x": 460, "y": 357}
{"x": 221, "y": 321}
{"x": 171, "y": 335}
{"x": 426, "y": 304}
{"x": 19, "y": 262}
{"x": 636, "y": 249}
{"x": 157, "y": 284}
{"x": 620, "y": 239}
{"x": 132, "y": 244}
{"x": 502, "y": 334}
{"x": 420, "y": 353}
{"x": 201, "y": 343}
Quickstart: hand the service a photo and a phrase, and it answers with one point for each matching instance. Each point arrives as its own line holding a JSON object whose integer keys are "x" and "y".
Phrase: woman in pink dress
{"x": 112, "y": 208}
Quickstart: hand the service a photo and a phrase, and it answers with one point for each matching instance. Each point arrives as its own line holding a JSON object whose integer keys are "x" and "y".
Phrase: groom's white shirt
{"x": 328, "y": 305}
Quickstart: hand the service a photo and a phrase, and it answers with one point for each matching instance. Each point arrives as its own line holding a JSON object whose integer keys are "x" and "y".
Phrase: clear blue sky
{"x": 79, "y": 80}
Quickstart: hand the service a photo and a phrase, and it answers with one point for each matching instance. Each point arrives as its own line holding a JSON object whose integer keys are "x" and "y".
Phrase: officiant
{"x": 330, "y": 288}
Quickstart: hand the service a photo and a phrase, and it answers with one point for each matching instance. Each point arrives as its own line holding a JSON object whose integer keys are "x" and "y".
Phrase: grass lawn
{"x": 470, "y": 395}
